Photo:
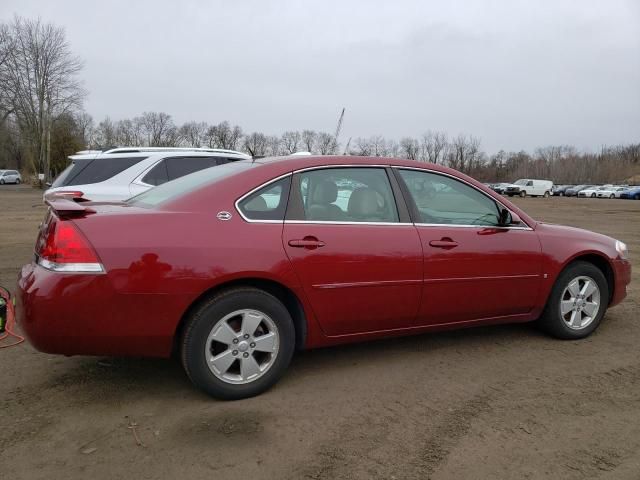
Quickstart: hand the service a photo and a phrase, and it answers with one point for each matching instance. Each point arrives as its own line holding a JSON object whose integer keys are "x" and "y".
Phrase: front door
{"x": 361, "y": 267}
{"x": 473, "y": 267}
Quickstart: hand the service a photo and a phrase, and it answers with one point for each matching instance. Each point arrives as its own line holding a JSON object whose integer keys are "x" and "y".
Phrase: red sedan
{"x": 234, "y": 267}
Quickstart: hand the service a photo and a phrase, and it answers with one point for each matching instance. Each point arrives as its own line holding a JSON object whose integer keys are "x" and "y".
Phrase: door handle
{"x": 310, "y": 243}
{"x": 444, "y": 242}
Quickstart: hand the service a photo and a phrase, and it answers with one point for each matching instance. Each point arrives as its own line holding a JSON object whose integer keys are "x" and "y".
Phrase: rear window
{"x": 183, "y": 185}
{"x": 84, "y": 172}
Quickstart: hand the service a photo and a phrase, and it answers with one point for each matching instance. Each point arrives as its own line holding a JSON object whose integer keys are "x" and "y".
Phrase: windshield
{"x": 180, "y": 186}
{"x": 521, "y": 182}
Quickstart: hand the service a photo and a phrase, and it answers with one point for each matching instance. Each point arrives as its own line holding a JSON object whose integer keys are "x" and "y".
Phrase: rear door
{"x": 354, "y": 249}
{"x": 473, "y": 268}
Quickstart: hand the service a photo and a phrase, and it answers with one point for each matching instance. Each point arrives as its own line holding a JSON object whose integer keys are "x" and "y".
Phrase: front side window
{"x": 268, "y": 203}
{"x": 346, "y": 195}
{"x": 180, "y": 166}
{"x": 444, "y": 200}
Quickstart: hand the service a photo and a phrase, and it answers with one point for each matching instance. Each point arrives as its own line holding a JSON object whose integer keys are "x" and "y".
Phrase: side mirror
{"x": 508, "y": 218}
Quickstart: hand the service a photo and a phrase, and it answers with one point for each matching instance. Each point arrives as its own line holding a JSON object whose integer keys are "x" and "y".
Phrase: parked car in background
{"x": 632, "y": 193}
{"x": 559, "y": 190}
{"x": 611, "y": 192}
{"x": 573, "y": 191}
{"x": 233, "y": 268}
{"x": 526, "y": 186}
{"x": 10, "y": 176}
{"x": 123, "y": 172}
{"x": 499, "y": 187}
{"x": 593, "y": 191}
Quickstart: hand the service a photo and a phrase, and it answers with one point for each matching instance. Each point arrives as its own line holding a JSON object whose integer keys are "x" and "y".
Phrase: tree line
{"x": 42, "y": 122}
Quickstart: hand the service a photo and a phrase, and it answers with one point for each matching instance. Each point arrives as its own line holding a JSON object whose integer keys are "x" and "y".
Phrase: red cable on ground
{"x": 11, "y": 321}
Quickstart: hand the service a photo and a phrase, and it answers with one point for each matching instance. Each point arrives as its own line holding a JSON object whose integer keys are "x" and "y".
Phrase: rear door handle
{"x": 443, "y": 243}
{"x": 309, "y": 243}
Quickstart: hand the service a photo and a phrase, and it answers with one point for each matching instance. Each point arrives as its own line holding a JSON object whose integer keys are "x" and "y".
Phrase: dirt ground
{"x": 499, "y": 402}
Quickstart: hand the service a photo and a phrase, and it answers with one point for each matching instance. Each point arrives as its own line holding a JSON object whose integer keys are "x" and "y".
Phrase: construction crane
{"x": 339, "y": 127}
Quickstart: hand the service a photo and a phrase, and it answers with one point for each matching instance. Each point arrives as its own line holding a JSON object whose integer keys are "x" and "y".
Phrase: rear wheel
{"x": 561, "y": 194}
{"x": 238, "y": 344}
{"x": 577, "y": 302}
{"x": 636, "y": 196}
{"x": 547, "y": 194}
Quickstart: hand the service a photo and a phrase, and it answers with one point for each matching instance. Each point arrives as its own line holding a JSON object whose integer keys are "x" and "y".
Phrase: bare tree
{"x": 7, "y": 44}
{"x": 194, "y": 133}
{"x": 309, "y": 140}
{"x": 290, "y": 141}
{"x": 410, "y": 148}
{"x": 42, "y": 79}
{"x": 159, "y": 129}
{"x": 433, "y": 147}
{"x": 326, "y": 144}
{"x": 256, "y": 144}
{"x": 224, "y": 136}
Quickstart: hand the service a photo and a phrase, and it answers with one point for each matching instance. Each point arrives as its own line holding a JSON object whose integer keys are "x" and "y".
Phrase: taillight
{"x": 63, "y": 248}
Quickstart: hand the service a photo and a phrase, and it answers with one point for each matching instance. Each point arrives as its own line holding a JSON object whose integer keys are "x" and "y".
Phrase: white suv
{"x": 120, "y": 173}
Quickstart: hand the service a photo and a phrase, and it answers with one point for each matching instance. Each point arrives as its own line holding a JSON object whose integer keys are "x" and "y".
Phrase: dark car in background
{"x": 573, "y": 191}
{"x": 632, "y": 193}
{"x": 560, "y": 190}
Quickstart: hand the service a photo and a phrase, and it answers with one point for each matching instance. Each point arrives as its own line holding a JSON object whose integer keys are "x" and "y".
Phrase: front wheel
{"x": 238, "y": 344}
{"x": 17, "y": 181}
{"x": 1, "y": 181}
{"x": 593, "y": 195}
{"x": 577, "y": 303}
{"x": 612, "y": 196}
{"x": 523, "y": 194}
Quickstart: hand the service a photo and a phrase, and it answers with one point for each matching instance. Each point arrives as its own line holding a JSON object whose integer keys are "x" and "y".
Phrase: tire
{"x": 523, "y": 194}
{"x": 636, "y": 196}
{"x": 561, "y": 194}
{"x": 547, "y": 194}
{"x": 1, "y": 181}
{"x": 17, "y": 181}
{"x": 593, "y": 195}
{"x": 583, "y": 325}
{"x": 233, "y": 305}
{"x": 612, "y": 196}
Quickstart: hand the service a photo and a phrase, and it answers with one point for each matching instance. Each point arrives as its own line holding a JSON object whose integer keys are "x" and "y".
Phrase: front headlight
{"x": 621, "y": 248}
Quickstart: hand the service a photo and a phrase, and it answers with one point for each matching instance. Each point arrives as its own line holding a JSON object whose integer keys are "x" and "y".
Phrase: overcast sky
{"x": 517, "y": 74}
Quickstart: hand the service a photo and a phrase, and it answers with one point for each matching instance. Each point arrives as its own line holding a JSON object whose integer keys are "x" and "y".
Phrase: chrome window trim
{"x": 329, "y": 222}
{"x": 266, "y": 184}
{"x": 528, "y": 227}
{"x": 454, "y": 225}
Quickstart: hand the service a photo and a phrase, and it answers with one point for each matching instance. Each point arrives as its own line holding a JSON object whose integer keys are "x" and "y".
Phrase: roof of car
{"x": 147, "y": 151}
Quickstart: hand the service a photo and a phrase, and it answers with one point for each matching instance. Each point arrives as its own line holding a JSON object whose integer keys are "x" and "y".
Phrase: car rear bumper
{"x": 81, "y": 314}
{"x": 622, "y": 278}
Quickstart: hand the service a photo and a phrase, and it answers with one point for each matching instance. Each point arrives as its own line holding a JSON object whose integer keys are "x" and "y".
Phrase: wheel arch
{"x": 601, "y": 262}
{"x": 283, "y": 293}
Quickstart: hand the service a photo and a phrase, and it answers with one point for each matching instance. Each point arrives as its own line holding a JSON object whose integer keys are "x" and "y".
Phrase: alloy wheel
{"x": 242, "y": 346}
{"x": 580, "y": 302}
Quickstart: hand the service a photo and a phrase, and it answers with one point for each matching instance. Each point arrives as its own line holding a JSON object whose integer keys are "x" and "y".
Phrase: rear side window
{"x": 268, "y": 203}
{"x": 157, "y": 175}
{"x": 99, "y": 170}
{"x": 180, "y": 166}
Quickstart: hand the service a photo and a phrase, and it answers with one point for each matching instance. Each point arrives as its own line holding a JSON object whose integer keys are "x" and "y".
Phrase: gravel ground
{"x": 496, "y": 402}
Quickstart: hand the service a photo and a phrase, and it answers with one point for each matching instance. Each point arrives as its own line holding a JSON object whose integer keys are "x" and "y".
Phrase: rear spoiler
{"x": 65, "y": 207}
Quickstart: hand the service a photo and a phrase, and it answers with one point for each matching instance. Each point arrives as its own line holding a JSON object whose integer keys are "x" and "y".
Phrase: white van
{"x": 527, "y": 186}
